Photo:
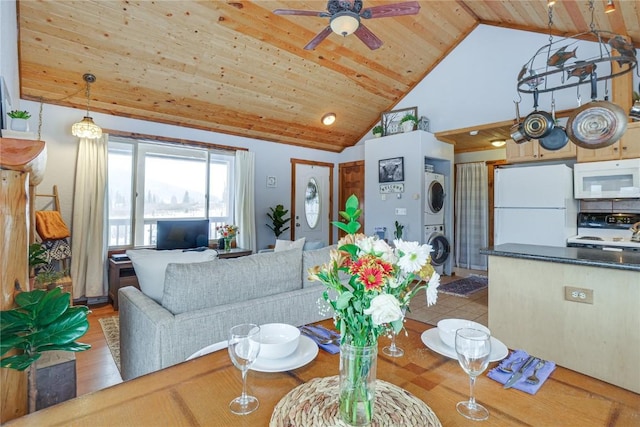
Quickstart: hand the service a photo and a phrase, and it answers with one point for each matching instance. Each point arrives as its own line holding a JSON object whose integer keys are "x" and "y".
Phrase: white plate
{"x": 431, "y": 338}
{"x": 307, "y": 351}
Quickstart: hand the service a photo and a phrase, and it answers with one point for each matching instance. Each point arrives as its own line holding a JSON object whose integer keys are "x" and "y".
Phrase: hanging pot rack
{"x": 563, "y": 63}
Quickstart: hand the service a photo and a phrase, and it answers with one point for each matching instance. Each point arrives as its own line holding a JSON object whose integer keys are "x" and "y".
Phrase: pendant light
{"x": 86, "y": 128}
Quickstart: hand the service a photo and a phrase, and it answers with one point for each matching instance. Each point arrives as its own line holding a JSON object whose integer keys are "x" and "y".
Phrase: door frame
{"x": 294, "y": 163}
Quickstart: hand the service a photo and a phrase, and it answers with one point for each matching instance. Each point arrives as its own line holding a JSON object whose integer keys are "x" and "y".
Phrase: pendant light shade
{"x": 86, "y": 128}
{"x": 345, "y": 23}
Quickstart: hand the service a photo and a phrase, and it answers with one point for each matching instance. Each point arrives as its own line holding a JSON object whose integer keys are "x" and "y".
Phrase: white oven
{"x": 615, "y": 179}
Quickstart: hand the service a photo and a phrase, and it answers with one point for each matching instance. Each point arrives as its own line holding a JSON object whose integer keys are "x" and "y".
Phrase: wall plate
{"x": 272, "y": 182}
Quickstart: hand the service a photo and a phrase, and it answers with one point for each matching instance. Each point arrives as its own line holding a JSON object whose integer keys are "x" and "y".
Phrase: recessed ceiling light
{"x": 328, "y": 119}
{"x": 498, "y": 142}
{"x": 473, "y": 133}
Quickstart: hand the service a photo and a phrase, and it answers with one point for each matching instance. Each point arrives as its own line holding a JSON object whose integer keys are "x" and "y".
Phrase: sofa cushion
{"x": 150, "y": 266}
{"x": 190, "y": 287}
{"x": 285, "y": 245}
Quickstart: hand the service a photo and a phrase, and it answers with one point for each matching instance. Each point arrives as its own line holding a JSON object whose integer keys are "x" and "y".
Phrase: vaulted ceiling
{"x": 235, "y": 67}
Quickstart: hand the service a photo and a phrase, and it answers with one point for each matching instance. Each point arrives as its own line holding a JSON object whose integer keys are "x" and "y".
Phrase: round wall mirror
{"x": 312, "y": 203}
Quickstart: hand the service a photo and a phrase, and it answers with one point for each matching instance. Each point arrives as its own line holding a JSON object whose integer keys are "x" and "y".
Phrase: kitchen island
{"x": 578, "y": 307}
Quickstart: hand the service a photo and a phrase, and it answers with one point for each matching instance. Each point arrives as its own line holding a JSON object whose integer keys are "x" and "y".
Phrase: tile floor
{"x": 450, "y": 306}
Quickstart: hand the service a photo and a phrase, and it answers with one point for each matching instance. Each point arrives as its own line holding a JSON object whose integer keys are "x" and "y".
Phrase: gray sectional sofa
{"x": 202, "y": 300}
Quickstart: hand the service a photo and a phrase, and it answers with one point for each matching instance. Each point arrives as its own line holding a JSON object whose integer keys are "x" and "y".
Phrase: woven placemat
{"x": 315, "y": 403}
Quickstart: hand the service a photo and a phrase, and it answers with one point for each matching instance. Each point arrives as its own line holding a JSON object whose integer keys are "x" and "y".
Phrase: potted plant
{"x": 41, "y": 321}
{"x": 377, "y": 131}
{"x": 278, "y": 220}
{"x": 19, "y": 120}
{"x": 47, "y": 279}
{"x": 408, "y": 123}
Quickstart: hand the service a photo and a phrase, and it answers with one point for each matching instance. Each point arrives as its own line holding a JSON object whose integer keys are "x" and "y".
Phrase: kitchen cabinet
{"x": 627, "y": 148}
{"x": 531, "y": 151}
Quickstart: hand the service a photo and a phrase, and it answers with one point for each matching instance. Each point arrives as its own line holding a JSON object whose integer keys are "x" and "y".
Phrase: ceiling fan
{"x": 344, "y": 19}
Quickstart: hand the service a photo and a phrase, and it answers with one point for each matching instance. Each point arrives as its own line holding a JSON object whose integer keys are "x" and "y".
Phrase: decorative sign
{"x": 391, "y": 188}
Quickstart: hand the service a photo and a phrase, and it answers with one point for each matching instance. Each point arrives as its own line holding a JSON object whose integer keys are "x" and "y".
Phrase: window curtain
{"x": 88, "y": 234}
{"x": 245, "y": 211}
{"x": 471, "y": 231}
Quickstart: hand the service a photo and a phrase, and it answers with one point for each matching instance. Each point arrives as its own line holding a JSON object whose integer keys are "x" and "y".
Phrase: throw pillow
{"x": 150, "y": 266}
{"x": 287, "y": 245}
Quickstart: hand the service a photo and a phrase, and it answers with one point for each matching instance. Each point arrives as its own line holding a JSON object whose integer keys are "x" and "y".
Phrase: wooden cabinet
{"x": 531, "y": 151}
{"x": 627, "y": 148}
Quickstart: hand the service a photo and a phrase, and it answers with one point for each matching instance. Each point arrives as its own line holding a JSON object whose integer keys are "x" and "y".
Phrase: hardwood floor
{"x": 95, "y": 368}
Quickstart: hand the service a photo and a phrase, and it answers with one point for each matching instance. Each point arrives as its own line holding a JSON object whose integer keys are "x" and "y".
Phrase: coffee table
{"x": 198, "y": 393}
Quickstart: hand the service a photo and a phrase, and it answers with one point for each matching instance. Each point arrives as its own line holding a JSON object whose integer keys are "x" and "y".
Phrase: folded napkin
{"x": 321, "y": 331}
{"x": 521, "y": 356}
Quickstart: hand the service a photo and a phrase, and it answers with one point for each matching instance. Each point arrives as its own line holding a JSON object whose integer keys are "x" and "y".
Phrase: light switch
{"x": 401, "y": 211}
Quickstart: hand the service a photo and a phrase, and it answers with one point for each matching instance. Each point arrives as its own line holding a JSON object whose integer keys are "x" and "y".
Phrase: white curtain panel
{"x": 88, "y": 240}
{"x": 471, "y": 231}
{"x": 245, "y": 210}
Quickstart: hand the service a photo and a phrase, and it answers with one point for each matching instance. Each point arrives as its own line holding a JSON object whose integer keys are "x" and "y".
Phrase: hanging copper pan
{"x": 596, "y": 124}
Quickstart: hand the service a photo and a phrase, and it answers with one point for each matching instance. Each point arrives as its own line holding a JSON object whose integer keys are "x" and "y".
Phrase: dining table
{"x": 197, "y": 393}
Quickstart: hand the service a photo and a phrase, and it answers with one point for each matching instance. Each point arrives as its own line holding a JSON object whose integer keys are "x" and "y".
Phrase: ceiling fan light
{"x": 86, "y": 128}
{"x": 610, "y": 7}
{"x": 328, "y": 119}
{"x": 345, "y": 23}
{"x": 498, "y": 142}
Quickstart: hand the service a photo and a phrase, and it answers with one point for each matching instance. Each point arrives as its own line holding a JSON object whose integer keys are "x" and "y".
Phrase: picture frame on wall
{"x": 391, "y": 170}
{"x": 390, "y": 120}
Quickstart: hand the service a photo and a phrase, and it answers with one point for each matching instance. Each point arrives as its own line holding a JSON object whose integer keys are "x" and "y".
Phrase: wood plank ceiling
{"x": 235, "y": 67}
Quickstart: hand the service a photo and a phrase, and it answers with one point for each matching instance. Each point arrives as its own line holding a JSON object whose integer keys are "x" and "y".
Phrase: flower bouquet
{"x": 381, "y": 283}
{"x": 227, "y": 232}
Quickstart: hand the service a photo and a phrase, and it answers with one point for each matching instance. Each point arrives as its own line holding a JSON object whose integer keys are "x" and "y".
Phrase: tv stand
{"x": 121, "y": 273}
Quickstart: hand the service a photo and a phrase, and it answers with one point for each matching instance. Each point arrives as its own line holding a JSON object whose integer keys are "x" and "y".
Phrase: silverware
{"x": 509, "y": 368}
{"x": 319, "y": 338}
{"x": 533, "y": 378}
{"x": 515, "y": 377}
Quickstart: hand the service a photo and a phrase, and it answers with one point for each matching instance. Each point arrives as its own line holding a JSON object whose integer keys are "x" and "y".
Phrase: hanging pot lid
{"x": 557, "y": 138}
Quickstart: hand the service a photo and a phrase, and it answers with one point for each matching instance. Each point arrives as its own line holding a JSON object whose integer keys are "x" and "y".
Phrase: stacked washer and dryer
{"x": 434, "y": 211}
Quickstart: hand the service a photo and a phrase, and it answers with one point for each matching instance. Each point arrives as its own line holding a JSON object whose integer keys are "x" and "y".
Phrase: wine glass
{"x": 392, "y": 349}
{"x": 473, "y": 348}
{"x": 244, "y": 346}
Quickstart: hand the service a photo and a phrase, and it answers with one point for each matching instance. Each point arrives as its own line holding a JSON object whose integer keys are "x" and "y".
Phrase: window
{"x": 151, "y": 181}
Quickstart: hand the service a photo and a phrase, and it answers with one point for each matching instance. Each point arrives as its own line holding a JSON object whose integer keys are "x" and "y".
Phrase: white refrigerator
{"x": 534, "y": 205}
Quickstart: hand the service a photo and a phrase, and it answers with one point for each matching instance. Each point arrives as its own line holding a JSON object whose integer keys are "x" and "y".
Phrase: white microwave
{"x": 615, "y": 179}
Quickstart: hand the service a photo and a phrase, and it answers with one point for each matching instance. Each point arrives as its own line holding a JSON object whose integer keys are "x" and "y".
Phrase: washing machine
{"x": 434, "y": 198}
{"x": 434, "y": 236}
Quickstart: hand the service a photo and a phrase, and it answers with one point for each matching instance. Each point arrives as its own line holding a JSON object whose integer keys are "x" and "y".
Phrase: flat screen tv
{"x": 182, "y": 234}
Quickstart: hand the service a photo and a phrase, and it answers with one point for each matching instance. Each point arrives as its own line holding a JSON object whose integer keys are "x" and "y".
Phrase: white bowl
{"x": 447, "y": 329}
{"x": 278, "y": 340}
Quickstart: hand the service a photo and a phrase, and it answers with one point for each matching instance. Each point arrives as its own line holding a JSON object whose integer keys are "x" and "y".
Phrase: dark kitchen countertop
{"x": 627, "y": 260}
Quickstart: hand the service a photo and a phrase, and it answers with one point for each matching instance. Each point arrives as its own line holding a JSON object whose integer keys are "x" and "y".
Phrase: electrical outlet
{"x": 582, "y": 295}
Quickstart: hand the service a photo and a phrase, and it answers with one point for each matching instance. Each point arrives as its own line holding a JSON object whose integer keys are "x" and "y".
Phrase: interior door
{"x": 351, "y": 181}
{"x": 312, "y": 201}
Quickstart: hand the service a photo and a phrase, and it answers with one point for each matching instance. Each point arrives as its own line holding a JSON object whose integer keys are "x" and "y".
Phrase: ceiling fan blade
{"x": 300, "y": 12}
{"x": 317, "y": 39}
{"x": 367, "y": 37}
{"x": 397, "y": 9}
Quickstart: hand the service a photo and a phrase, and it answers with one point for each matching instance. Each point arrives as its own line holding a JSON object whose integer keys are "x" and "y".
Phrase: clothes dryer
{"x": 434, "y": 198}
{"x": 434, "y": 236}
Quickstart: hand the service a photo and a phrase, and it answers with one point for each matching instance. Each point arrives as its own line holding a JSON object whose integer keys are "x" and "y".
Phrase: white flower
{"x": 432, "y": 289}
{"x": 414, "y": 255}
{"x": 366, "y": 244}
{"x": 384, "y": 251}
{"x": 384, "y": 308}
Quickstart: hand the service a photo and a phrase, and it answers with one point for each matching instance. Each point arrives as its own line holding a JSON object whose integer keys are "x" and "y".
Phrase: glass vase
{"x": 227, "y": 243}
{"x": 357, "y": 383}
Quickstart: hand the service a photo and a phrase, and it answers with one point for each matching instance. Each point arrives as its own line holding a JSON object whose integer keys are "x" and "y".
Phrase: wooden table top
{"x": 198, "y": 393}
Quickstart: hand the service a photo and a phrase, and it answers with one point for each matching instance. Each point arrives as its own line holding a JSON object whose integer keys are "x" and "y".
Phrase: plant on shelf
{"x": 408, "y": 122}
{"x": 41, "y": 321}
{"x": 36, "y": 255}
{"x": 48, "y": 279}
{"x": 19, "y": 114}
{"x": 278, "y": 220}
{"x": 377, "y": 131}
